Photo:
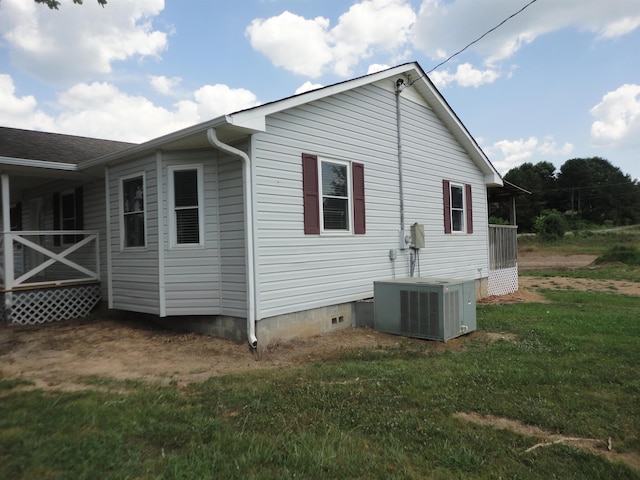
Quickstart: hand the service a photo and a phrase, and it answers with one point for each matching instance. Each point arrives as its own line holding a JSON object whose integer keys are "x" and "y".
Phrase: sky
{"x": 559, "y": 80}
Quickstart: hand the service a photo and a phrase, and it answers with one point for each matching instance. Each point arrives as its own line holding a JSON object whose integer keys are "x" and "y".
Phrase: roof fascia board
{"x": 23, "y": 162}
{"x": 159, "y": 142}
{"x": 262, "y": 111}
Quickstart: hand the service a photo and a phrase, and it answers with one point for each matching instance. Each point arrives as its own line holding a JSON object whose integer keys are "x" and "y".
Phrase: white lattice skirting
{"x": 30, "y": 307}
{"x": 503, "y": 281}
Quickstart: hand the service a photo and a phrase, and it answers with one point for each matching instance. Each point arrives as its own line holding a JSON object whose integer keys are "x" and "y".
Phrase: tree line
{"x": 584, "y": 191}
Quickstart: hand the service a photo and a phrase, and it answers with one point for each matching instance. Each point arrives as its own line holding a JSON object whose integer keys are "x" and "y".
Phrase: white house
{"x": 269, "y": 222}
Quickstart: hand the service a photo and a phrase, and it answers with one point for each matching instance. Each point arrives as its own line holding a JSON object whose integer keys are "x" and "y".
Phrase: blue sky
{"x": 560, "y": 80}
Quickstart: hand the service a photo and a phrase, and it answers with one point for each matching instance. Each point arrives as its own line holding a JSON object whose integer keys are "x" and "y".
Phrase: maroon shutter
{"x": 56, "y": 217}
{"x": 446, "y": 198}
{"x": 469, "y": 209}
{"x": 359, "y": 220}
{"x": 311, "y": 200}
{"x": 79, "y": 212}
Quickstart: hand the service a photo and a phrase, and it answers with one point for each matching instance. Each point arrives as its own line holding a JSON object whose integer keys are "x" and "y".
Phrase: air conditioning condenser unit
{"x": 425, "y": 308}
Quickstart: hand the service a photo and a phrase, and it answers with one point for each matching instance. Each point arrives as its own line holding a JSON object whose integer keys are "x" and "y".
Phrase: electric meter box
{"x": 417, "y": 235}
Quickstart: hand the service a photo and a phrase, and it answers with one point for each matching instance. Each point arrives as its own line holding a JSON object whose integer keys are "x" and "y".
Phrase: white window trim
{"x": 173, "y": 234}
{"x": 324, "y": 231}
{"x": 121, "y": 181}
{"x": 463, "y": 227}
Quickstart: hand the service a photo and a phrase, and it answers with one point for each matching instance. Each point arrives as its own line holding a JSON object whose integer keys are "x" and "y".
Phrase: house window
{"x": 458, "y": 214}
{"x": 457, "y": 208}
{"x": 186, "y": 197}
{"x": 333, "y": 196}
{"x": 68, "y": 214}
{"x": 133, "y": 208}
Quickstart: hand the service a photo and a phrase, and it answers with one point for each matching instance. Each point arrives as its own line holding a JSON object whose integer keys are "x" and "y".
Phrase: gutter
{"x": 248, "y": 229}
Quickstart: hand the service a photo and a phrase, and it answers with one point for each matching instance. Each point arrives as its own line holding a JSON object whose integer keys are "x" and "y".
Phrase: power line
{"x": 483, "y": 35}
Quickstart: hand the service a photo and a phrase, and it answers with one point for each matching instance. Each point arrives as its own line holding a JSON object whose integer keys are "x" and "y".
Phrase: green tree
{"x": 540, "y": 180}
{"x": 594, "y": 190}
{"x": 54, "y": 4}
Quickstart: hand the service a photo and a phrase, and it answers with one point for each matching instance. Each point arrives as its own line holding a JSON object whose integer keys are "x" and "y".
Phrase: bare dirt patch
{"x": 602, "y": 447}
{"x": 533, "y": 260}
{"x": 62, "y": 355}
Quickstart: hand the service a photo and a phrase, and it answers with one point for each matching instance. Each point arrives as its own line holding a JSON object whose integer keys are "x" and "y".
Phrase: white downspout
{"x": 248, "y": 229}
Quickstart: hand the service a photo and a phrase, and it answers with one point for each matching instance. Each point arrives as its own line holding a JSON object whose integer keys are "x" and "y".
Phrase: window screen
{"x": 187, "y": 214}
{"x": 133, "y": 211}
{"x": 335, "y": 196}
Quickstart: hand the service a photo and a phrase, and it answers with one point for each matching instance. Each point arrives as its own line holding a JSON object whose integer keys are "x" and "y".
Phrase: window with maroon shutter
{"x": 468, "y": 205}
{"x": 311, "y": 198}
{"x": 458, "y": 213}
{"x": 446, "y": 199}
{"x": 333, "y": 196}
{"x": 359, "y": 218}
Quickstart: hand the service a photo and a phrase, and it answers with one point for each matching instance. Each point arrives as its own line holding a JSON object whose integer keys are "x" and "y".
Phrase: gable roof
{"x": 28, "y": 145}
{"x": 253, "y": 120}
{"x": 413, "y": 76}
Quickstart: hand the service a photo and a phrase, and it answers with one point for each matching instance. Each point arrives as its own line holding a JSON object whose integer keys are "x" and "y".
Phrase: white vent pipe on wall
{"x": 212, "y": 137}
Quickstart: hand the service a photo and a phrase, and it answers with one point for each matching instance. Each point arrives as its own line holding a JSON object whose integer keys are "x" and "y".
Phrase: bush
{"x": 627, "y": 254}
{"x": 497, "y": 221}
{"x": 550, "y": 225}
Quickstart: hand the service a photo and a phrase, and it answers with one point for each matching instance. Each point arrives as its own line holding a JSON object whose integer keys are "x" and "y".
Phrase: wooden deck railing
{"x": 43, "y": 263}
{"x": 503, "y": 246}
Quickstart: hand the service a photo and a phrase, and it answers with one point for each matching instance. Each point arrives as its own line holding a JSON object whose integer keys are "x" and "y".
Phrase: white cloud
{"x": 444, "y": 26}
{"x": 216, "y": 100}
{"x": 465, "y": 76}
{"x": 164, "y": 85}
{"x": 508, "y": 154}
{"x": 63, "y": 46}
{"x": 101, "y": 110}
{"x": 292, "y": 42}
{"x": 310, "y": 47}
{"x": 376, "y": 67}
{"x": 307, "y": 87}
{"x": 617, "y": 117}
{"x": 20, "y": 112}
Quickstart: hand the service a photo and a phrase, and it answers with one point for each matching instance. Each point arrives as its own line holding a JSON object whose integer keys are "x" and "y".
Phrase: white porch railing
{"x": 503, "y": 259}
{"x": 47, "y": 264}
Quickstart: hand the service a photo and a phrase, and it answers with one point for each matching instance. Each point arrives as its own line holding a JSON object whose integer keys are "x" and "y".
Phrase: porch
{"x": 503, "y": 259}
{"x": 48, "y": 275}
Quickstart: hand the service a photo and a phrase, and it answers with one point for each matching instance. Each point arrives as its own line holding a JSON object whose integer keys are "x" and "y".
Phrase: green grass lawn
{"x": 573, "y": 369}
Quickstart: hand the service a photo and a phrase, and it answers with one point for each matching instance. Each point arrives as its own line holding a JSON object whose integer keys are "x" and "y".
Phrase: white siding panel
{"x": 192, "y": 274}
{"x": 135, "y": 270}
{"x": 299, "y": 271}
{"x": 232, "y": 237}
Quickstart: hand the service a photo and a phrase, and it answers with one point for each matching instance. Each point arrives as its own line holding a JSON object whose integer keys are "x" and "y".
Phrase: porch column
{"x": 512, "y": 211}
{"x": 7, "y": 241}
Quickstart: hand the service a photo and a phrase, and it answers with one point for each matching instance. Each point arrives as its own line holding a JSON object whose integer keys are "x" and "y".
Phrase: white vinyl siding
{"x": 299, "y": 272}
{"x": 233, "y": 294}
{"x": 134, "y": 271}
{"x": 192, "y": 279}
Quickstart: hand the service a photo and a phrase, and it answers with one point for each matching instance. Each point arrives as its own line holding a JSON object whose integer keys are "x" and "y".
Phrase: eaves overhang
{"x": 229, "y": 129}
{"x": 37, "y": 164}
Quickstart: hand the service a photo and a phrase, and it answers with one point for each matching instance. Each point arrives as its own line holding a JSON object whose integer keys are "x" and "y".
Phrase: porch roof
{"x": 21, "y": 144}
